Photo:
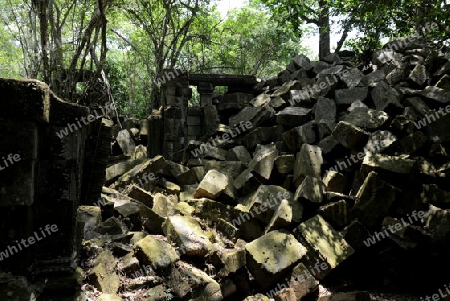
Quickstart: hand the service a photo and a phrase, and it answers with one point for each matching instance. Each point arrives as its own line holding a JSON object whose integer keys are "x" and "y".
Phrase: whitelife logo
{"x": 11, "y": 159}
{"x": 432, "y": 117}
{"x": 73, "y": 127}
{"x": 11, "y": 250}
{"x": 241, "y": 128}
{"x": 398, "y": 226}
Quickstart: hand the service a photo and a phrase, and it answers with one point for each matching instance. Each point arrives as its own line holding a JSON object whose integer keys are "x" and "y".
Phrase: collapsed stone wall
{"x": 328, "y": 176}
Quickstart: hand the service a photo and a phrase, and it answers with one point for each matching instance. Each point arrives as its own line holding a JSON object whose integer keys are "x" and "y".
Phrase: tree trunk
{"x": 324, "y": 29}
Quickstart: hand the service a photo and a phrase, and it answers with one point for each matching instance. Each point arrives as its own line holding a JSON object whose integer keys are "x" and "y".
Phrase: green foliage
{"x": 145, "y": 37}
{"x": 246, "y": 42}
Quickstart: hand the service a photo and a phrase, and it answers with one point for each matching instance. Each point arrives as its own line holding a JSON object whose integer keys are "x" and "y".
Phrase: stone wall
{"x": 42, "y": 189}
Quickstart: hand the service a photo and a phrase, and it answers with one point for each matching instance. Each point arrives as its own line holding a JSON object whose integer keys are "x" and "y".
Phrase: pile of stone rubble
{"x": 338, "y": 188}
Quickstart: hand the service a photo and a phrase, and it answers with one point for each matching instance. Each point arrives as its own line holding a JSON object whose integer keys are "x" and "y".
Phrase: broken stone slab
{"x": 324, "y": 244}
{"x": 386, "y": 55}
{"x": 262, "y": 135}
{"x": 285, "y": 163}
{"x": 375, "y": 77}
{"x": 318, "y": 66}
{"x": 120, "y": 168}
{"x": 230, "y": 168}
{"x": 130, "y": 264}
{"x": 332, "y": 70}
{"x": 297, "y": 136}
{"x": 120, "y": 249}
{"x": 141, "y": 195}
{"x": 125, "y": 141}
{"x": 325, "y": 128}
{"x": 334, "y": 181}
{"x": 103, "y": 274}
{"x": 355, "y": 105}
{"x": 419, "y": 105}
{"x": 301, "y": 97}
{"x": 350, "y": 135}
{"x": 277, "y": 102}
{"x": 347, "y": 296}
{"x": 355, "y": 234}
{"x": 151, "y": 221}
{"x": 351, "y": 77}
{"x": 399, "y": 165}
{"x": 186, "y": 232}
{"x": 111, "y": 226}
{"x": 213, "y": 210}
{"x": 246, "y": 182}
{"x": 251, "y": 116}
{"x": 366, "y": 118}
{"x": 164, "y": 205}
{"x": 229, "y": 261}
{"x": 444, "y": 82}
{"x": 328, "y": 145}
{"x": 215, "y": 153}
{"x": 302, "y": 62}
{"x": 264, "y": 160}
{"x": 186, "y": 279}
{"x": 173, "y": 170}
{"x": 91, "y": 216}
{"x": 302, "y": 281}
{"x": 155, "y": 252}
{"x": 418, "y": 76}
{"x": 384, "y": 95}
{"x": 349, "y": 96}
{"x": 167, "y": 187}
{"x": 191, "y": 176}
{"x": 229, "y": 230}
{"x": 437, "y": 94}
{"x": 260, "y": 100}
{"x": 263, "y": 203}
{"x": 283, "y": 91}
{"x": 144, "y": 173}
{"x": 325, "y": 111}
{"x": 337, "y": 213}
{"x": 214, "y": 185}
{"x": 409, "y": 144}
{"x": 183, "y": 208}
{"x": 239, "y": 153}
{"x": 325, "y": 84}
{"x": 293, "y": 116}
{"x": 299, "y": 74}
{"x": 379, "y": 141}
{"x": 270, "y": 257}
{"x": 397, "y": 75}
{"x": 333, "y": 58}
{"x": 311, "y": 189}
{"x": 286, "y": 212}
{"x": 283, "y": 77}
{"x": 308, "y": 162}
{"x": 374, "y": 199}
